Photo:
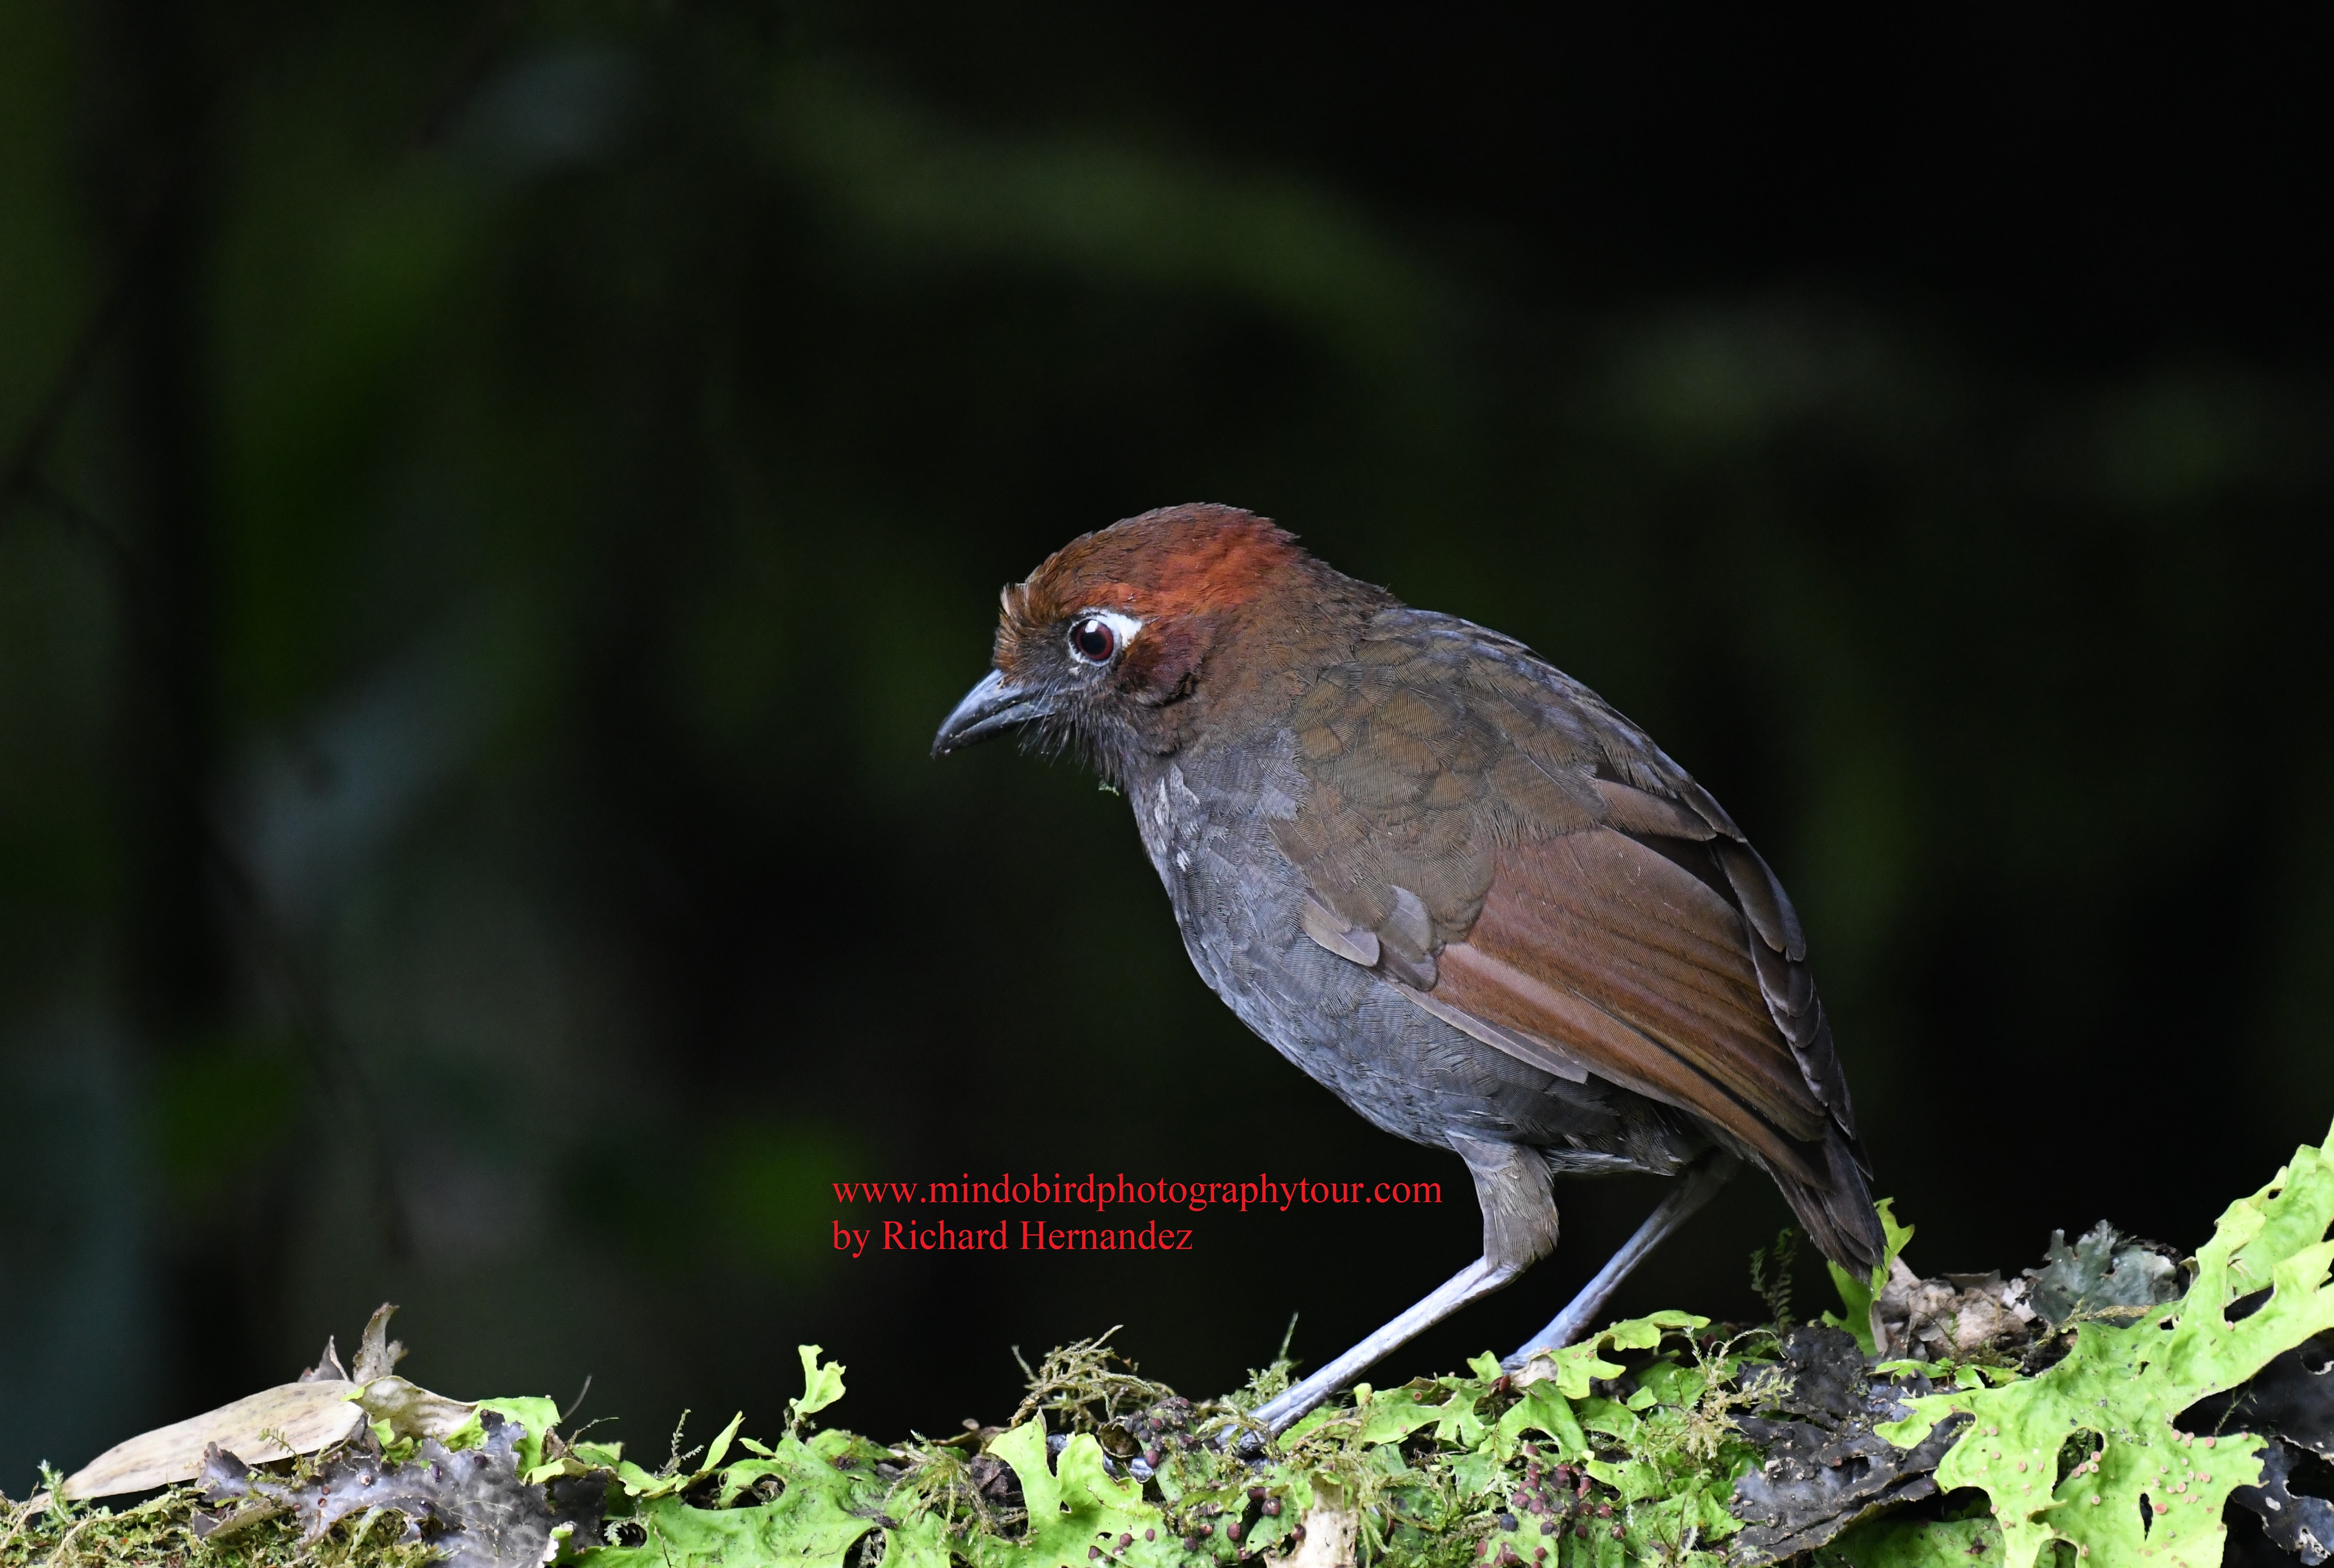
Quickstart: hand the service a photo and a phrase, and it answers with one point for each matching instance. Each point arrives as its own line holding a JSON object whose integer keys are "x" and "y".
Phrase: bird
{"x": 1448, "y": 882}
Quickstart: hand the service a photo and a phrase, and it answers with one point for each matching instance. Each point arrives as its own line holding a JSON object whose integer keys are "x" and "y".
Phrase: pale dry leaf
{"x": 328, "y": 1365}
{"x": 1331, "y": 1534}
{"x": 376, "y": 1353}
{"x": 411, "y": 1410}
{"x": 309, "y": 1416}
{"x": 1949, "y": 1318}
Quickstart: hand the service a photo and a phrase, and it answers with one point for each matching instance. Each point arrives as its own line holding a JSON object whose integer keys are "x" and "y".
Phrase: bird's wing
{"x": 1530, "y": 867}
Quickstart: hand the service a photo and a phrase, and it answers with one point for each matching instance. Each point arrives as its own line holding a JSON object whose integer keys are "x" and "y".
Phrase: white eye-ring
{"x": 1097, "y": 635}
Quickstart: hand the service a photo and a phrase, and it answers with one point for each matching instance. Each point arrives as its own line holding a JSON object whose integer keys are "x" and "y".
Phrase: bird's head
{"x": 1107, "y": 647}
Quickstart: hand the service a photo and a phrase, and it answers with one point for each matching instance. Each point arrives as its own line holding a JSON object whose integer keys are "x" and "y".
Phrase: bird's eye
{"x": 1093, "y": 641}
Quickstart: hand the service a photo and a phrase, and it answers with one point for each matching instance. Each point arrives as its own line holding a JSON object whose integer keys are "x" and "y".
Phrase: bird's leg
{"x": 1519, "y": 1225}
{"x": 1710, "y": 1172}
{"x": 1476, "y": 1280}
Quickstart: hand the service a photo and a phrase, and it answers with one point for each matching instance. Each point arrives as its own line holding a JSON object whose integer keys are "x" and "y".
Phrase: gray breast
{"x": 1207, "y": 824}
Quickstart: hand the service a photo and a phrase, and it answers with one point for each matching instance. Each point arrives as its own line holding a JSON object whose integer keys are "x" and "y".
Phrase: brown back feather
{"x": 1520, "y": 855}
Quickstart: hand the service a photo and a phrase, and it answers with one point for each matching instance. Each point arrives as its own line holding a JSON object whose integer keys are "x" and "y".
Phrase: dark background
{"x": 498, "y": 499}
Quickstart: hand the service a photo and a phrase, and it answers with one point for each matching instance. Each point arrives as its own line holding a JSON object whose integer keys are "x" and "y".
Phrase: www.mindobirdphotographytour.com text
{"x": 1074, "y": 1213}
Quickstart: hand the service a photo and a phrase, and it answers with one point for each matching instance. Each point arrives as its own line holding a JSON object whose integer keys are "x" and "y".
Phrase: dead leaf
{"x": 1949, "y": 1318}
{"x": 1331, "y": 1532}
{"x": 411, "y": 1412}
{"x": 308, "y": 1416}
{"x": 376, "y": 1353}
{"x": 311, "y": 1415}
{"x": 328, "y": 1365}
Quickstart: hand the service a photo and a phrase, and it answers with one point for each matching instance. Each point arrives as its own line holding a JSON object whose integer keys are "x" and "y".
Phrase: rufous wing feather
{"x": 1529, "y": 866}
{"x": 1603, "y": 946}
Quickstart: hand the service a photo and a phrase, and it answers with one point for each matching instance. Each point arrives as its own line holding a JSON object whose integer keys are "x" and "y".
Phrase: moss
{"x": 158, "y": 1533}
{"x": 1624, "y": 1450}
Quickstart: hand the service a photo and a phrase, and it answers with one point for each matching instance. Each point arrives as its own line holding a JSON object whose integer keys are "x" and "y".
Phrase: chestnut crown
{"x": 1120, "y": 639}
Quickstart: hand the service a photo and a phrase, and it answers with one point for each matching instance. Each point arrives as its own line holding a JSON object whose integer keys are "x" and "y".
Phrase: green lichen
{"x": 1456, "y": 1470}
{"x": 2070, "y": 1455}
{"x": 1620, "y": 1450}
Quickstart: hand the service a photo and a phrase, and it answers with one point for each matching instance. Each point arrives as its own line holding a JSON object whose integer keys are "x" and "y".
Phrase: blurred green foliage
{"x": 499, "y": 497}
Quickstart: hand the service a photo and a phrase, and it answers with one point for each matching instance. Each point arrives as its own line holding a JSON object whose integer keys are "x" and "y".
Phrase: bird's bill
{"x": 993, "y": 707}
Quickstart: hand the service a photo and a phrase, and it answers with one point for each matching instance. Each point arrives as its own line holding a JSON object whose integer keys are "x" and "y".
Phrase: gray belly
{"x": 1237, "y": 900}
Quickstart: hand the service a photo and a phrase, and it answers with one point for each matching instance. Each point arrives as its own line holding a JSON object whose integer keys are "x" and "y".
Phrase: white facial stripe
{"x": 1123, "y": 625}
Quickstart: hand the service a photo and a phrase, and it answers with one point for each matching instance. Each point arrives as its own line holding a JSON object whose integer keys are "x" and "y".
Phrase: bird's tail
{"x": 1837, "y": 1213}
